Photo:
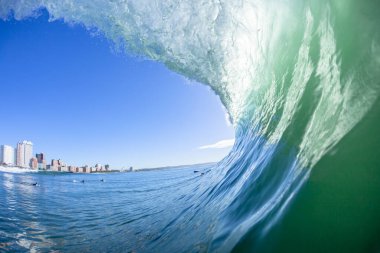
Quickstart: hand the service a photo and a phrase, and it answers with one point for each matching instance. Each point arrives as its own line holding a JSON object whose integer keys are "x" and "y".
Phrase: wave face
{"x": 295, "y": 77}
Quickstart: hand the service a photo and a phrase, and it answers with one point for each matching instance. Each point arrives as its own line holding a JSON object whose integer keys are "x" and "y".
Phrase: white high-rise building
{"x": 24, "y": 153}
{"x": 7, "y": 155}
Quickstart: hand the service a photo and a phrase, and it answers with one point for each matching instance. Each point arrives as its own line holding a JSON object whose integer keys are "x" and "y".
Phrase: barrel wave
{"x": 300, "y": 81}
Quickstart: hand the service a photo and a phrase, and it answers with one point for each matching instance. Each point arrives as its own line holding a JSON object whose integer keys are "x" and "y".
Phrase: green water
{"x": 338, "y": 208}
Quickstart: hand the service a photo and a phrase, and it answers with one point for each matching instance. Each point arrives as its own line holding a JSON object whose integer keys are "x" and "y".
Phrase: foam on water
{"x": 16, "y": 170}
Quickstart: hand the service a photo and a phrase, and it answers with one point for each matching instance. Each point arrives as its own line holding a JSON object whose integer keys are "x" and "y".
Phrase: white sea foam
{"x": 16, "y": 170}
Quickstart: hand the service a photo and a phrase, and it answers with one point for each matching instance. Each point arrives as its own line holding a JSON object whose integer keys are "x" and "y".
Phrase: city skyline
{"x": 22, "y": 156}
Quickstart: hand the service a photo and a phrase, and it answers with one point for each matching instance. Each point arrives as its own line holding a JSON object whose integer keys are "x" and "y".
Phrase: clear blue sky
{"x": 77, "y": 99}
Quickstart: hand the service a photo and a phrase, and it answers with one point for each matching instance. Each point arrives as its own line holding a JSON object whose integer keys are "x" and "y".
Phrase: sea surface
{"x": 108, "y": 212}
{"x": 300, "y": 80}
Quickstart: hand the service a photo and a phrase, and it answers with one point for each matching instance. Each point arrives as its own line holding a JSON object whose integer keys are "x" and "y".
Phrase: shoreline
{"x": 16, "y": 169}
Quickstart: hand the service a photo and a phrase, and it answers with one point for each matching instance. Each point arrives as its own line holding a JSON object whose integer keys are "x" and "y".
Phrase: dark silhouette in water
{"x": 82, "y": 181}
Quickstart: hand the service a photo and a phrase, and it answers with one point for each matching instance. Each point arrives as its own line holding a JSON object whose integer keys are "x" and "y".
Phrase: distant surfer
{"x": 102, "y": 180}
{"x": 82, "y": 181}
{"x": 35, "y": 184}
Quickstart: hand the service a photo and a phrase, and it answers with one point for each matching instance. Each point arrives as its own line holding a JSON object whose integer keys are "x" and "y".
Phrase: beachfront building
{"x": 58, "y": 165}
{"x": 7, "y": 155}
{"x": 41, "y": 161}
{"x": 33, "y": 163}
{"x": 54, "y": 165}
{"x": 63, "y": 168}
{"x": 61, "y": 163}
{"x": 73, "y": 169}
{"x": 99, "y": 167}
{"x": 85, "y": 169}
{"x": 24, "y": 153}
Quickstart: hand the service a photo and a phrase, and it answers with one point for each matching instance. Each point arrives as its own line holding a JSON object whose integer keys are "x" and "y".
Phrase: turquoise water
{"x": 300, "y": 81}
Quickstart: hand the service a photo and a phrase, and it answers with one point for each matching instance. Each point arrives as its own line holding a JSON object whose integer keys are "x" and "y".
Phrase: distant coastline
{"x": 19, "y": 169}
{"x": 175, "y": 166}
{"x": 21, "y": 157}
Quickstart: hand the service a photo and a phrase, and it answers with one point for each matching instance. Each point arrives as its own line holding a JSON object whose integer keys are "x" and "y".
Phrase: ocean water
{"x": 300, "y": 81}
{"x": 126, "y": 212}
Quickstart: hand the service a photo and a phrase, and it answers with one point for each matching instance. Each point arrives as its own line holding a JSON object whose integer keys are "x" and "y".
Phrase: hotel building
{"x": 7, "y": 155}
{"x": 24, "y": 153}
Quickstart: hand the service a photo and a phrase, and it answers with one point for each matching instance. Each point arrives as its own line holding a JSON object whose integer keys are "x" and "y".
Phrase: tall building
{"x": 24, "y": 153}
{"x": 20, "y": 154}
{"x": 7, "y": 155}
{"x": 41, "y": 161}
